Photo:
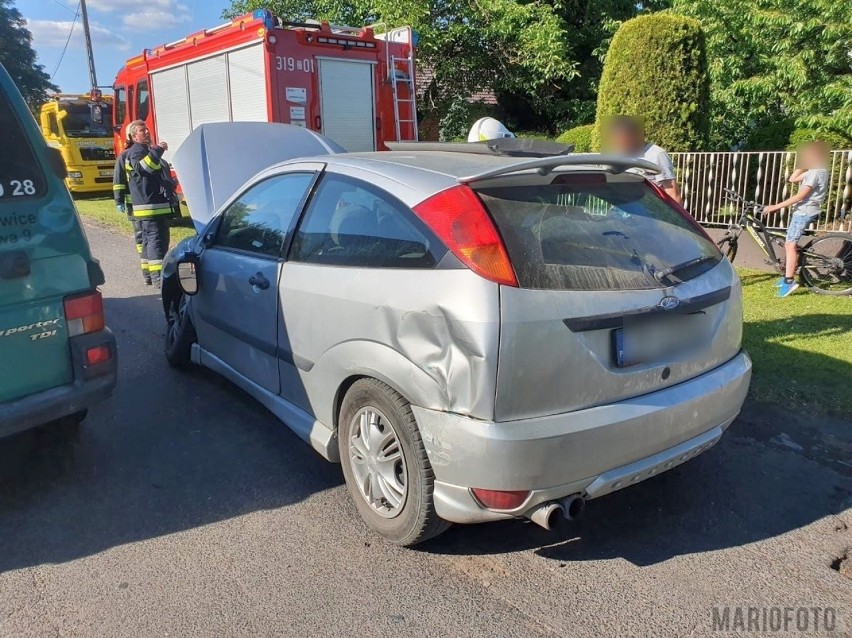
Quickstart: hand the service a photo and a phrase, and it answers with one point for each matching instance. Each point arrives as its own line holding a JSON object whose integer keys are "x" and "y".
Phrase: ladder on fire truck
{"x": 396, "y": 76}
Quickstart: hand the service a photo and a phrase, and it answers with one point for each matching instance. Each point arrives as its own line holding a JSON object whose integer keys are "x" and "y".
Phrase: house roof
{"x": 426, "y": 74}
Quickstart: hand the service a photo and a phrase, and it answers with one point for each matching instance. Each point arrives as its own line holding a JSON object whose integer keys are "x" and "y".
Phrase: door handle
{"x": 259, "y": 281}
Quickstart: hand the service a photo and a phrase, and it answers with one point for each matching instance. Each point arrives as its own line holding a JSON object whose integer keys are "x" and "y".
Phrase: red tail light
{"x": 500, "y": 499}
{"x": 459, "y": 219}
{"x": 84, "y": 313}
{"x": 97, "y": 355}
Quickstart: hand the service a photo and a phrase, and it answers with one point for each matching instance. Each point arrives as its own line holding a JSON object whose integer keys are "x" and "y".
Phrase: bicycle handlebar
{"x": 733, "y": 196}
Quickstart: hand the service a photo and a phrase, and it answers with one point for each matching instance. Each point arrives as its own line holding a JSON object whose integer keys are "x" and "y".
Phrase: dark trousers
{"x": 155, "y": 244}
{"x": 138, "y": 236}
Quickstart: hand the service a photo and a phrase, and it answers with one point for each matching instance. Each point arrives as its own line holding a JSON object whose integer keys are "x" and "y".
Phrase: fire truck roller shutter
{"x": 208, "y": 91}
{"x": 248, "y": 84}
{"x": 172, "y": 107}
{"x": 347, "y": 101}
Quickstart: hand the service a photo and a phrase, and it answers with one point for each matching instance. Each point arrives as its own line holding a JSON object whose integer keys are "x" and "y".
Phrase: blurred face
{"x": 812, "y": 156}
{"x": 141, "y": 134}
{"x": 624, "y": 140}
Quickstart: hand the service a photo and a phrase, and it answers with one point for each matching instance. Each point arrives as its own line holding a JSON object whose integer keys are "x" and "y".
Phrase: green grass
{"x": 801, "y": 347}
{"x": 102, "y": 211}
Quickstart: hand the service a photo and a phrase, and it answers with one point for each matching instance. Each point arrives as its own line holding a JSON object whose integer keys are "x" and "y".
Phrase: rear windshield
{"x": 596, "y": 235}
{"x": 20, "y": 174}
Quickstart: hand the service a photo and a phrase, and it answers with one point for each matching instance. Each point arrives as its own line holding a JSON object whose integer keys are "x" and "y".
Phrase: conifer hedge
{"x": 656, "y": 69}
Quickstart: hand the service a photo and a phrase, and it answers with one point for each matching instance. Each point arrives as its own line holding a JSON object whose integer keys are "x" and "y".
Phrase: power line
{"x": 65, "y": 48}
{"x": 64, "y": 6}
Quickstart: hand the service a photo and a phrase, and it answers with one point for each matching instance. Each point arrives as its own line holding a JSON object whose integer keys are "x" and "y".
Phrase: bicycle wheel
{"x": 728, "y": 246}
{"x": 827, "y": 264}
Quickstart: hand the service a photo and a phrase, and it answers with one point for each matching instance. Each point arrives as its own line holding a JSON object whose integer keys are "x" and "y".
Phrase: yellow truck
{"x": 81, "y": 129}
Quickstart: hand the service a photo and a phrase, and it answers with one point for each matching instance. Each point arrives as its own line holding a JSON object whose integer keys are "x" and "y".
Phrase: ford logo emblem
{"x": 669, "y": 303}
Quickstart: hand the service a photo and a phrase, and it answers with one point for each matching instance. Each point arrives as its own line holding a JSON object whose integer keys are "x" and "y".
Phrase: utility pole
{"x": 92, "y": 74}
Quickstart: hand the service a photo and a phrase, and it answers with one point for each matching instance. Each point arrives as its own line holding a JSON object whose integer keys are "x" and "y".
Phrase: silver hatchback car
{"x": 473, "y": 332}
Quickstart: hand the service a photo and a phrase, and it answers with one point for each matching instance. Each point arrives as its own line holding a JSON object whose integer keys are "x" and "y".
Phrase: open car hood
{"x": 216, "y": 159}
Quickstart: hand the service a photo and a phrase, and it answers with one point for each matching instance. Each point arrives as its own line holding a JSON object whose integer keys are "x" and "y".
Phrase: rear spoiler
{"x": 545, "y": 165}
{"x": 506, "y": 147}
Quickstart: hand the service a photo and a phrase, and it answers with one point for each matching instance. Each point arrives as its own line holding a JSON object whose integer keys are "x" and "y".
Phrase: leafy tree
{"x": 802, "y": 135}
{"x": 772, "y": 136}
{"x": 337, "y": 11}
{"x": 457, "y": 118}
{"x": 656, "y": 69}
{"x": 470, "y": 45}
{"x": 773, "y": 60}
{"x": 589, "y": 26}
{"x": 19, "y": 58}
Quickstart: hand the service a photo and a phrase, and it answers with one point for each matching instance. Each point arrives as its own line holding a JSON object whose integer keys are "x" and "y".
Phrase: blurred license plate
{"x": 649, "y": 340}
{"x": 106, "y": 173}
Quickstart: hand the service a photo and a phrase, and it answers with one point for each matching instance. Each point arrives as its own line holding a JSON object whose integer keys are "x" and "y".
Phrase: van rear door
{"x": 620, "y": 294}
{"x": 43, "y": 257}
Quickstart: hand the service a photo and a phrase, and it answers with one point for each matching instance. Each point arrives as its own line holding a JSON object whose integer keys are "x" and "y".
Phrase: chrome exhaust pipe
{"x": 573, "y": 506}
{"x": 548, "y": 515}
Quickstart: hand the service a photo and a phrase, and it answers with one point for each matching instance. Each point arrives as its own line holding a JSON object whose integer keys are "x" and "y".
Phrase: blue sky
{"x": 120, "y": 29}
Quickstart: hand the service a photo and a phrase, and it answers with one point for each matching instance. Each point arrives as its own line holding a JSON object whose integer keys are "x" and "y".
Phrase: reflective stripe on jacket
{"x": 146, "y": 180}
{"x": 119, "y": 180}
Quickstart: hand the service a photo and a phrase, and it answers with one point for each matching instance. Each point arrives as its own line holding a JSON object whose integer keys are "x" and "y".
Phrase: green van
{"x": 57, "y": 357}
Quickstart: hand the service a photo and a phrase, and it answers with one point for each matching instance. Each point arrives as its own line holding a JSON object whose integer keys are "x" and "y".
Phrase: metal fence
{"x": 762, "y": 177}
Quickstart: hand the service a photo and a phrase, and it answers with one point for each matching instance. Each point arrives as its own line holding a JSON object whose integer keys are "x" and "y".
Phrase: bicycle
{"x": 825, "y": 261}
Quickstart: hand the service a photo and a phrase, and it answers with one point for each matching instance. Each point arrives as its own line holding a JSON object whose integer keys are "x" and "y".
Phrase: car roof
{"x": 430, "y": 171}
{"x": 451, "y": 164}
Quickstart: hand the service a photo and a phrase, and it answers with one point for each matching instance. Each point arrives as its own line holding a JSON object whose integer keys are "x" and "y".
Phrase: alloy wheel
{"x": 378, "y": 464}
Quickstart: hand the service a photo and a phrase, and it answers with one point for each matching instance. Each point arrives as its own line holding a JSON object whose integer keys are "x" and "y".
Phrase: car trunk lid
{"x": 619, "y": 294}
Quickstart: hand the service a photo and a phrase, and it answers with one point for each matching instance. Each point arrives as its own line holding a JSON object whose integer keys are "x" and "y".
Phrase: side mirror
{"x": 187, "y": 272}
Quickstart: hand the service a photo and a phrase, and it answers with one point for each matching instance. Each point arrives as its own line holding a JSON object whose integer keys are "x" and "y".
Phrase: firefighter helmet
{"x": 487, "y": 128}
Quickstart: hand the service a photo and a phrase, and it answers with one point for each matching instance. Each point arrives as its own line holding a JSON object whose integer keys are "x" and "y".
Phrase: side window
{"x": 53, "y": 124}
{"x": 351, "y": 223}
{"x": 258, "y": 221}
{"x": 142, "y": 100}
{"x": 120, "y": 105}
{"x": 21, "y": 175}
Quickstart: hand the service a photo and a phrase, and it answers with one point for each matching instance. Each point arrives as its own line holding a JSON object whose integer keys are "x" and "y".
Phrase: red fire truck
{"x": 354, "y": 85}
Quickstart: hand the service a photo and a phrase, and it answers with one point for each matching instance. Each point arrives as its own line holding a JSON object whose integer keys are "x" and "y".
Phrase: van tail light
{"x": 98, "y": 355}
{"x": 460, "y": 220}
{"x": 500, "y": 499}
{"x": 84, "y": 313}
{"x": 680, "y": 209}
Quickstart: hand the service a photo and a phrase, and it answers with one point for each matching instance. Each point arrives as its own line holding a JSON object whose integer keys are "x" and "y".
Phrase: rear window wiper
{"x": 662, "y": 274}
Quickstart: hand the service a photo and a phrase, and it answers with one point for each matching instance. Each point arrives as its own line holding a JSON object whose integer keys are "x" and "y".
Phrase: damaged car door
{"x": 351, "y": 237}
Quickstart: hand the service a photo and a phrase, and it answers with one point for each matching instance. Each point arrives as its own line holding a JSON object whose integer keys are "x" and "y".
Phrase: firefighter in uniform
{"x": 150, "y": 189}
{"x": 125, "y": 206}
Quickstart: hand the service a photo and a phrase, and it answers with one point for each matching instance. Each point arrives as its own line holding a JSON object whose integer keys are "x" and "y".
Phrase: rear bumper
{"x": 591, "y": 452}
{"x": 91, "y": 384}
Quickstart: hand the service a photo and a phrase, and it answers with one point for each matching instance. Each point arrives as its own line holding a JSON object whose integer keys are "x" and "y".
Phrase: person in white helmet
{"x": 487, "y": 128}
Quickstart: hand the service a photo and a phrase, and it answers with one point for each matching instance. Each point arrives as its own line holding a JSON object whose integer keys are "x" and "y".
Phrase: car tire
{"x": 373, "y": 412}
{"x": 180, "y": 333}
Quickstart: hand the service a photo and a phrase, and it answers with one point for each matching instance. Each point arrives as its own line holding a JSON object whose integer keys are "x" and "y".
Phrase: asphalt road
{"x": 185, "y": 509}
